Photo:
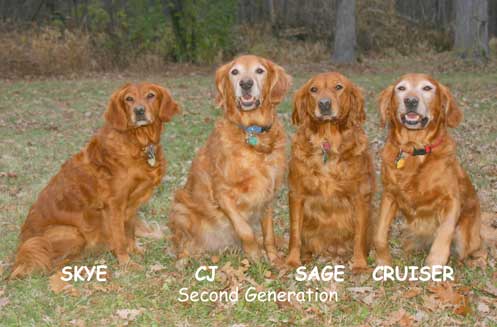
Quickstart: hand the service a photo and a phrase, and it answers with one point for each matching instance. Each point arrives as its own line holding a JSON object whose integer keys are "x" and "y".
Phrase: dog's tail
{"x": 40, "y": 253}
{"x": 34, "y": 255}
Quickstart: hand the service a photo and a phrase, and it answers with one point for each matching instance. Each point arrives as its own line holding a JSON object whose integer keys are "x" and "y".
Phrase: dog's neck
{"x": 141, "y": 142}
{"x": 401, "y": 136}
{"x": 328, "y": 132}
{"x": 147, "y": 135}
{"x": 262, "y": 116}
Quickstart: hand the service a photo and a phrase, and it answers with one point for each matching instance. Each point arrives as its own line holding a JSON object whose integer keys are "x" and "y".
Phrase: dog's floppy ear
{"x": 168, "y": 107}
{"x": 222, "y": 84}
{"x": 300, "y": 103}
{"x": 116, "y": 112}
{"x": 280, "y": 82}
{"x": 453, "y": 114}
{"x": 385, "y": 102}
{"x": 357, "y": 113}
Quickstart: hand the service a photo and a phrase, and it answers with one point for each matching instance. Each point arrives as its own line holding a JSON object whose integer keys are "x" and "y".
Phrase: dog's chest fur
{"x": 421, "y": 186}
{"x": 253, "y": 176}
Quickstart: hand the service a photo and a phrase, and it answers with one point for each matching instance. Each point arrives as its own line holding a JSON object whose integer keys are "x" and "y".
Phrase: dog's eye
{"x": 338, "y": 87}
{"x": 150, "y": 95}
{"x": 129, "y": 99}
{"x": 427, "y": 88}
{"x": 259, "y": 71}
{"x": 314, "y": 89}
{"x": 401, "y": 88}
{"x": 234, "y": 72}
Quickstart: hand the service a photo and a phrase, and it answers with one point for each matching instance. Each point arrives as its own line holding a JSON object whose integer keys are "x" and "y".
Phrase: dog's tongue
{"x": 412, "y": 115}
{"x": 247, "y": 97}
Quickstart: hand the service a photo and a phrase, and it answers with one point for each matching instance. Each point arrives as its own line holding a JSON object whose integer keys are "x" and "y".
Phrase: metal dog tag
{"x": 150, "y": 152}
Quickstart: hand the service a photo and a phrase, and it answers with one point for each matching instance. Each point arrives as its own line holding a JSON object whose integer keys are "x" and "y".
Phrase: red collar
{"x": 427, "y": 148}
{"x": 401, "y": 157}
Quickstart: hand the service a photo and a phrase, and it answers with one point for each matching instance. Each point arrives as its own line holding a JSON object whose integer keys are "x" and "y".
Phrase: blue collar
{"x": 255, "y": 129}
{"x": 250, "y": 137}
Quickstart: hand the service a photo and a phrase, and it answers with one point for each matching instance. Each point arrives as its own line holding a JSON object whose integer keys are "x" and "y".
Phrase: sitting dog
{"x": 331, "y": 177}
{"x": 92, "y": 201}
{"x": 237, "y": 173}
{"x": 421, "y": 175}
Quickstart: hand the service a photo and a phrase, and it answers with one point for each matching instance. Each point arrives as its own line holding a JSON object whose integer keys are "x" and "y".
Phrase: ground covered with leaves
{"x": 43, "y": 122}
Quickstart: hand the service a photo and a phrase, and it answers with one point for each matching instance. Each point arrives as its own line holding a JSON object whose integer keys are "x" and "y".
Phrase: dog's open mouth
{"x": 412, "y": 119}
{"x": 247, "y": 102}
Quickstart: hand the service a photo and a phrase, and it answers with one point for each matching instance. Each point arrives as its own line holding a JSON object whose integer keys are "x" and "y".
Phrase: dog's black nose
{"x": 139, "y": 110}
{"x": 411, "y": 102}
{"x": 325, "y": 106}
{"x": 246, "y": 83}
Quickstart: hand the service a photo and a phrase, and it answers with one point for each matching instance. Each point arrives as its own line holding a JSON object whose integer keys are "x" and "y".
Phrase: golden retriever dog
{"x": 92, "y": 201}
{"x": 237, "y": 173}
{"x": 331, "y": 176}
{"x": 421, "y": 175}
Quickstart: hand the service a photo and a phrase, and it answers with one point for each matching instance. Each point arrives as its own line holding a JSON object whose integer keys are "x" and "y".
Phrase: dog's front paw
{"x": 360, "y": 266}
{"x": 135, "y": 248}
{"x": 274, "y": 258}
{"x": 293, "y": 261}
{"x": 123, "y": 259}
{"x": 254, "y": 255}
{"x": 432, "y": 260}
{"x": 384, "y": 260}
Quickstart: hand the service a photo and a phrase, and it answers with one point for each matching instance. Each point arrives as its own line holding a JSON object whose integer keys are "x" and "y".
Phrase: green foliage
{"x": 203, "y": 29}
{"x": 185, "y": 31}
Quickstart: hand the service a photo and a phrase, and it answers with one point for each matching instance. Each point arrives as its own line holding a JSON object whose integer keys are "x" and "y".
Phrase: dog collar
{"x": 252, "y": 131}
{"x": 150, "y": 154}
{"x": 400, "y": 160}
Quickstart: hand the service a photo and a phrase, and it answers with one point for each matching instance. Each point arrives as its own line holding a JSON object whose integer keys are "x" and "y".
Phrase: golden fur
{"x": 330, "y": 202}
{"x": 231, "y": 185}
{"x": 92, "y": 201}
{"x": 432, "y": 191}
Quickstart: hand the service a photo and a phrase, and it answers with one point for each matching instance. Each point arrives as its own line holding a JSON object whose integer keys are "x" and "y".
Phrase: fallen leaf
{"x": 128, "y": 314}
{"x": 491, "y": 289}
{"x": 412, "y": 292}
{"x": 483, "y": 308}
{"x": 215, "y": 259}
{"x": 156, "y": 267}
{"x": 446, "y": 293}
{"x": 57, "y": 285}
{"x": 463, "y": 308}
{"x": 420, "y": 316}
{"x": 401, "y": 317}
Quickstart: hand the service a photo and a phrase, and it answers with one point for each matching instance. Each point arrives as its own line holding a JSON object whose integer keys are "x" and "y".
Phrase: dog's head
{"x": 418, "y": 102}
{"x": 137, "y": 105}
{"x": 329, "y": 97}
{"x": 249, "y": 82}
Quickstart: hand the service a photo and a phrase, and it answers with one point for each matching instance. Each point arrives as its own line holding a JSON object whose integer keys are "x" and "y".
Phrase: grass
{"x": 43, "y": 122}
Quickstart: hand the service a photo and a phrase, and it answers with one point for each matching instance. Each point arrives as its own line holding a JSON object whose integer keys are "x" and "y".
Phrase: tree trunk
{"x": 471, "y": 34}
{"x": 345, "y": 35}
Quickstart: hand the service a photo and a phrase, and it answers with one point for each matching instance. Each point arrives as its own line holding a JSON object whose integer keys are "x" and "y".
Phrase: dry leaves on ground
{"x": 445, "y": 295}
{"x": 128, "y": 315}
{"x": 57, "y": 285}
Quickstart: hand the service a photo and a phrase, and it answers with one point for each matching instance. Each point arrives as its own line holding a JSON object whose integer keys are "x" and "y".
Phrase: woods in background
{"x": 52, "y": 36}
